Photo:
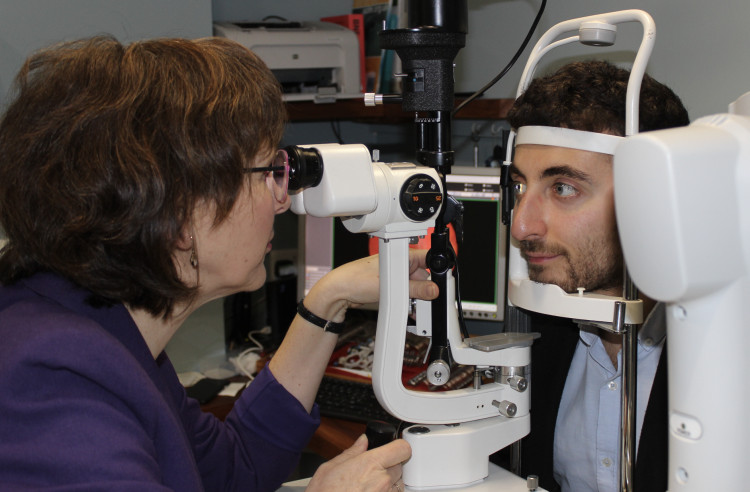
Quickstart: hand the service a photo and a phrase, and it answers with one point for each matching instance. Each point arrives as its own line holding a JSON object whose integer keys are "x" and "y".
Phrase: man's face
{"x": 564, "y": 218}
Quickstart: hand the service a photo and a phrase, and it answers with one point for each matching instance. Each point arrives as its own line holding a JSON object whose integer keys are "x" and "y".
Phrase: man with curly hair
{"x": 564, "y": 226}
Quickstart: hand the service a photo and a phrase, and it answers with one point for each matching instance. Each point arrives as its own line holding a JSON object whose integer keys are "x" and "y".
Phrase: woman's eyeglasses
{"x": 279, "y": 170}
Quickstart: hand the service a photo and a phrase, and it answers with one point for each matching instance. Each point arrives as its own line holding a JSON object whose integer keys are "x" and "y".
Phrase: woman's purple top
{"x": 84, "y": 406}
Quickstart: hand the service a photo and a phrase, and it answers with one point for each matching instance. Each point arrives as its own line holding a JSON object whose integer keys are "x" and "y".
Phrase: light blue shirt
{"x": 586, "y": 449}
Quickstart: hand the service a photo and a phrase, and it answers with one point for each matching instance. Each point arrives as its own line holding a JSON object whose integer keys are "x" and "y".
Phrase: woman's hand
{"x": 358, "y": 282}
{"x": 359, "y": 470}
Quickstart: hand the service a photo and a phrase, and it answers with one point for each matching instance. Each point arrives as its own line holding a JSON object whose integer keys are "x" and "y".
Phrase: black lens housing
{"x": 305, "y": 167}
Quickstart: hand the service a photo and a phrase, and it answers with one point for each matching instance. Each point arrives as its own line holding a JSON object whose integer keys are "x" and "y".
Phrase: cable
{"x": 461, "y": 321}
{"x": 247, "y": 360}
{"x": 508, "y": 66}
{"x": 336, "y": 128}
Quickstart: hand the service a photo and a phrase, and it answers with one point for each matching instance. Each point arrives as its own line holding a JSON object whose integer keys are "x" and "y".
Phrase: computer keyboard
{"x": 350, "y": 400}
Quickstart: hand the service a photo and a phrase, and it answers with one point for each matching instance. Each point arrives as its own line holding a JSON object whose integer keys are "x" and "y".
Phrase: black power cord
{"x": 508, "y": 66}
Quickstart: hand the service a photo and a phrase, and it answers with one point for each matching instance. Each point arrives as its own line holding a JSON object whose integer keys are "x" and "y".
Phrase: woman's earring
{"x": 193, "y": 256}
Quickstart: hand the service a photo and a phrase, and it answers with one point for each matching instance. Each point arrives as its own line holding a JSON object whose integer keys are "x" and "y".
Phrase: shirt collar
{"x": 650, "y": 335}
{"x": 654, "y": 329}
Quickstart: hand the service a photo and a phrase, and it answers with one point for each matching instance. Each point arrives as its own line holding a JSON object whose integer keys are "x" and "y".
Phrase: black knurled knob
{"x": 379, "y": 433}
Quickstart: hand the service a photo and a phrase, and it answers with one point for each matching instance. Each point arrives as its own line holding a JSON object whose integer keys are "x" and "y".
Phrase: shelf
{"x": 355, "y": 110}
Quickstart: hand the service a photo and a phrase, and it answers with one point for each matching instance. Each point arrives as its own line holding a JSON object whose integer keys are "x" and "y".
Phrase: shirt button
{"x": 648, "y": 342}
{"x": 607, "y": 462}
{"x": 612, "y": 385}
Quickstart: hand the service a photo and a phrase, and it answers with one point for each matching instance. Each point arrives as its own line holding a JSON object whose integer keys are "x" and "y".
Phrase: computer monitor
{"x": 481, "y": 255}
{"x": 326, "y": 244}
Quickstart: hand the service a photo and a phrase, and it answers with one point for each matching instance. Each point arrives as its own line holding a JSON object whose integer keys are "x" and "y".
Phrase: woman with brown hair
{"x": 138, "y": 183}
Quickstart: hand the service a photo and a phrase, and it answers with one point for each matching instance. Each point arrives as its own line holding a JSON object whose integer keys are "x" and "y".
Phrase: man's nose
{"x": 528, "y": 218}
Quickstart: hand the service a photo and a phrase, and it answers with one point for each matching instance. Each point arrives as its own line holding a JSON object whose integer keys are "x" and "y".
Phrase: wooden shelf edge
{"x": 355, "y": 110}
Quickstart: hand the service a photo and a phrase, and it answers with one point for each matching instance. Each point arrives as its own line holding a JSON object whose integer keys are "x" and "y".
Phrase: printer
{"x": 317, "y": 61}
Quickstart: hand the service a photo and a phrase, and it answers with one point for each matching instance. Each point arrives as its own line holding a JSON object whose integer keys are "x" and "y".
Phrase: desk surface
{"x": 334, "y": 436}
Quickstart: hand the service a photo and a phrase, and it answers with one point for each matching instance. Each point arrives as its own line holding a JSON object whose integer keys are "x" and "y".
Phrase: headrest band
{"x": 566, "y": 137}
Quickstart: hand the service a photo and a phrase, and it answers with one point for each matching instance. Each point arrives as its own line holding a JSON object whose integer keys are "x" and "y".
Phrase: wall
{"x": 701, "y": 48}
{"x": 295, "y": 10}
{"x": 32, "y": 24}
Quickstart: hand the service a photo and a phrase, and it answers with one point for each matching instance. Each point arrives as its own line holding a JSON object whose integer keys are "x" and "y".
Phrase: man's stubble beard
{"x": 596, "y": 265}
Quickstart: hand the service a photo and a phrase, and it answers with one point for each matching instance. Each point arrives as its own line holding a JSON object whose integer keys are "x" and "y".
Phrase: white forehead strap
{"x": 571, "y": 139}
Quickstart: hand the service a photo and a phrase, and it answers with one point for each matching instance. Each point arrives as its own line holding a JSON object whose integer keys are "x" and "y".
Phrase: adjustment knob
{"x": 532, "y": 482}
{"x": 438, "y": 372}
{"x": 506, "y": 408}
{"x": 371, "y": 99}
{"x": 518, "y": 383}
{"x": 379, "y": 433}
{"x": 421, "y": 197}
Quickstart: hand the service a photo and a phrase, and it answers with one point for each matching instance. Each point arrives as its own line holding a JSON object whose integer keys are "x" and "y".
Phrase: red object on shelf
{"x": 356, "y": 23}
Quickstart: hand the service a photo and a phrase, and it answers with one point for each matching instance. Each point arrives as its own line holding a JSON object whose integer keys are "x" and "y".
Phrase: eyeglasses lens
{"x": 281, "y": 176}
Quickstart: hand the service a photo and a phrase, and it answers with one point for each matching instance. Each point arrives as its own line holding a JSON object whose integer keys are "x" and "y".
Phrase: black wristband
{"x": 330, "y": 326}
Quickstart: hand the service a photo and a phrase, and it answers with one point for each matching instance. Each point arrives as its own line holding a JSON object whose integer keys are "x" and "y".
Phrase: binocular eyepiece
{"x": 305, "y": 167}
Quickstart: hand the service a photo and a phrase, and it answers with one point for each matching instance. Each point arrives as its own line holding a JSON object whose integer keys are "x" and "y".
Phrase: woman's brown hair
{"x": 106, "y": 149}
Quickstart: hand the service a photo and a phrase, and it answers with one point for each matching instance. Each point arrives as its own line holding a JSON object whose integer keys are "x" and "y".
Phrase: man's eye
{"x": 564, "y": 190}
{"x": 519, "y": 188}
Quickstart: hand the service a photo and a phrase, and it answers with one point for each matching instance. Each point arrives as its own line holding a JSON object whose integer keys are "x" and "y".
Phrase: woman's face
{"x": 231, "y": 254}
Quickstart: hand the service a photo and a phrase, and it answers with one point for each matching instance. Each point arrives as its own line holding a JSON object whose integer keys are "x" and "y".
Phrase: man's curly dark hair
{"x": 590, "y": 96}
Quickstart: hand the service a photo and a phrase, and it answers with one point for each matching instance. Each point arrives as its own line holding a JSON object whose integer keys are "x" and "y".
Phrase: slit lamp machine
{"x": 661, "y": 179}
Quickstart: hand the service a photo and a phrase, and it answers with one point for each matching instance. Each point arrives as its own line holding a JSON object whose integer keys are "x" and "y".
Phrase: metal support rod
{"x": 628, "y": 393}
{"x": 515, "y": 457}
